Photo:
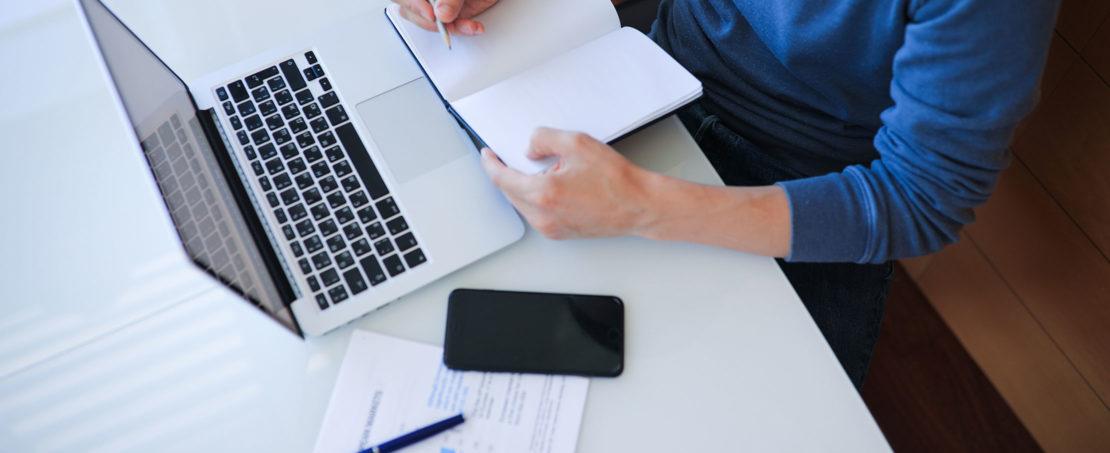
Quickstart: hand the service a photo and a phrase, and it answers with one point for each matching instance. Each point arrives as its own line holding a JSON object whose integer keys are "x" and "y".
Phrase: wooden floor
{"x": 925, "y": 391}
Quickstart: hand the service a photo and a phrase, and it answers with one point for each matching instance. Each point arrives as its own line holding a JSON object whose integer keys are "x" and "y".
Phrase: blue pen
{"x": 416, "y": 436}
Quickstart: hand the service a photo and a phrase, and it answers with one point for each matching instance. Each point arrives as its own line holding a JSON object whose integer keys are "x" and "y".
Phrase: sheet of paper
{"x": 389, "y": 386}
{"x": 519, "y": 34}
{"x": 606, "y": 88}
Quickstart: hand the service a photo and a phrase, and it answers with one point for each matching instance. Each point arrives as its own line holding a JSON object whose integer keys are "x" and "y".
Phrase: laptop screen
{"x": 213, "y": 229}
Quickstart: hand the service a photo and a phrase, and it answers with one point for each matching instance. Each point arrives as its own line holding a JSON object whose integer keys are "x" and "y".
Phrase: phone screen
{"x": 534, "y": 333}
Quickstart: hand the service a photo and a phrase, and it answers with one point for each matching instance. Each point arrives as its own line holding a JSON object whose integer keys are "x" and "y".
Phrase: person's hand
{"x": 456, "y": 15}
{"x": 591, "y": 191}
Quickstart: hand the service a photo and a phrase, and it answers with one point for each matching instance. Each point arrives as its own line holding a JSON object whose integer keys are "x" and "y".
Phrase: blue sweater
{"x": 901, "y": 111}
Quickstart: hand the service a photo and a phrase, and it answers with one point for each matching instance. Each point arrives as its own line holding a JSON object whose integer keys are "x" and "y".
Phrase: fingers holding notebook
{"x": 456, "y": 15}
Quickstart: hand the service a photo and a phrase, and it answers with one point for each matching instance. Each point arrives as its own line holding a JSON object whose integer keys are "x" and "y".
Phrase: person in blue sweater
{"x": 850, "y": 132}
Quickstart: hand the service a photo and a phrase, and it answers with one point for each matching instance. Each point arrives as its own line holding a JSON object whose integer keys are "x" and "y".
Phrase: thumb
{"x": 548, "y": 142}
{"x": 447, "y": 10}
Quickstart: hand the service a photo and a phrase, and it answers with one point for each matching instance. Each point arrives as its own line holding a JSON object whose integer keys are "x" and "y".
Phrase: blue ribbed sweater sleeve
{"x": 966, "y": 74}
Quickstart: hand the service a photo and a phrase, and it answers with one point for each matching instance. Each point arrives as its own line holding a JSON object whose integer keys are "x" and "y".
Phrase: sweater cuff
{"x": 831, "y": 219}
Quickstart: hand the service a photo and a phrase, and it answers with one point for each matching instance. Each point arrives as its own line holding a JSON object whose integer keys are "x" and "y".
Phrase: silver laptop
{"x": 319, "y": 180}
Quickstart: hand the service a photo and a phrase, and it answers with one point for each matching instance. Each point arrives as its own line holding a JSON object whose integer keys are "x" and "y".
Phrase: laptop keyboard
{"x": 344, "y": 229}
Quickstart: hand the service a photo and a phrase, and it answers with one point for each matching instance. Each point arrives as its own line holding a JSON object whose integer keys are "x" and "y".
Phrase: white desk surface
{"x": 721, "y": 354}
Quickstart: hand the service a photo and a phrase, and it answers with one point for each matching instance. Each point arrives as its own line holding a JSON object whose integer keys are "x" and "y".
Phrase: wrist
{"x": 650, "y": 206}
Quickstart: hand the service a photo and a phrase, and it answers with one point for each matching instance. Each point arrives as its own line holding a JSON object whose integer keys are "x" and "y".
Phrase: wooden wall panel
{"x": 1079, "y": 19}
{"x": 1042, "y": 387}
{"x": 1097, "y": 51}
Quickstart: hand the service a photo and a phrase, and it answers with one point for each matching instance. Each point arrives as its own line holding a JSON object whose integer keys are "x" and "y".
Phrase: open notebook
{"x": 566, "y": 64}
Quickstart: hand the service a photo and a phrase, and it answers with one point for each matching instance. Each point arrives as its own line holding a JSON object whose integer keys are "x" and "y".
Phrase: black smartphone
{"x": 534, "y": 333}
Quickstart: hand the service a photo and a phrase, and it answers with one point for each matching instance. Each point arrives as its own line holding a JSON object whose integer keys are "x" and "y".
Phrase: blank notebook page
{"x": 605, "y": 88}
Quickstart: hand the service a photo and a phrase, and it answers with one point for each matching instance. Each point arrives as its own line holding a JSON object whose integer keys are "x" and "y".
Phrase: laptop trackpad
{"x": 412, "y": 130}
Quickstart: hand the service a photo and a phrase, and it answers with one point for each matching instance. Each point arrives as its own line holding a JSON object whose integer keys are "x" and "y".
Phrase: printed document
{"x": 388, "y": 387}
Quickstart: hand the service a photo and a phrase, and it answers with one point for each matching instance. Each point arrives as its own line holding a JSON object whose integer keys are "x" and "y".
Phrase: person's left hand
{"x": 591, "y": 191}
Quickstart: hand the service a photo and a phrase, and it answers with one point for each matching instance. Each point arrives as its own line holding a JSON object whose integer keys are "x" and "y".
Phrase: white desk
{"x": 721, "y": 354}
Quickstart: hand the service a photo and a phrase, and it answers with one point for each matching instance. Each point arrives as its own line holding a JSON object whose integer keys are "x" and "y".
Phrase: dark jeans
{"x": 845, "y": 299}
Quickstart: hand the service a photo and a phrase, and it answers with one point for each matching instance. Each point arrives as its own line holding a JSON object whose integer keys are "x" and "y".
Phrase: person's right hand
{"x": 456, "y": 15}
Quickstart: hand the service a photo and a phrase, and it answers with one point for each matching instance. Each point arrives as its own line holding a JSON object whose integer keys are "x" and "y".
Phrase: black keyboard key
{"x": 361, "y": 160}
{"x": 375, "y": 230}
{"x": 397, "y": 226}
{"x": 265, "y": 183}
{"x": 343, "y": 215}
{"x": 249, "y": 151}
{"x": 367, "y": 215}
{"x": 373, "y": 270}
{"x": 282, "y": 181}
{"x": 322, "y": 301}
{"x": 336, "y": 200}
{"x": 288, "y": 232}
{"x": 257, "y": 167}
{"x": 274, "y": 122}
{"x": 313, "y": 154}
{"x": 272, "y": 198}
{"x": 328, "y": 100}
{"x": 246, "y": 108}
{"x": 282, "y": 136}
{"x": 221, "y": 92}
{"x": 361, "y": 247}
{"x": 276, "y": 83}
{"x": 415, "y": 258}
{"x": 267, "y": 151}
{"x": 387, "y": 208}
{"x": 290, "y": 196}
{"x": 342, "y": 169}
{"x": 321, "y": 169}
{"x": 296, "y": 166}
{"x": 229, "y": 108}
{"x": 334, "y": 154}
{"x": 304, "y": 97}
{"x": 297, "y": 212}
{"x": 253, "y": 122}
{"x": 283, "y": 97}
{"x": 267, "y": 108}
{"x": 261, "y": 76}
{"x": 298, "y": 125}
{"x": 312, "y": 196}
{"x": 279, "y": 214}
{"x": 310, "y": 57}
{"x": 406, "y": 241}
{"x": 319, "y": 125}
{"x": 329, "y": 277}
{"x": 358, "y": 199}
{"x": 306, "y": 140}
{"x": 305, "y": 227}
{"x": 327, "y": 139}
{"x": 336, "y": 243}
{"x": 320, "y": 211}
{"x": 328, "y": 184}
{"x": 355, "y": 281}
{"x": 313, "y": 244}
{"x": 289, "y": 151}
{"x": 309, "y": 74}
{"x": 344, "y": 260}
{"x": 337, "y": 115}
{"x": 328, "y": 227}
{"x": 393, "y": 265}
{"x": 337, "y": 294}
{"x": 313, "y": 284}
{"x": 290, "y": 111}
{"x": 238, "y": 91}
{"x": 311, "y": 111}
{"x": 260, "y": 136}
{"x": 305, "y": 266}
{"x": 243, "y": 137}
{"x": 293, "y": 75}
{"x": 325, "y": 84}
{"x": 235, "y": 123}
{"x": 260, "y": 94}
{"x": 317, "y": 70}
{"x": 352, "y": 231}
{"x": 384, "y": 246}
{"x": 351, "y": 183}
{"x": 275, "y": 166}
{"x": 298, "y": 251}
{"x": 253, "y": 81}
{"x": 304, "y": 180}
{"x": 322, "y": 260}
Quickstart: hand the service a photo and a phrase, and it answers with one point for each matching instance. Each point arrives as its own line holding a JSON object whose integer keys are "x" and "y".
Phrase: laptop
{"x": 319, "y": 180}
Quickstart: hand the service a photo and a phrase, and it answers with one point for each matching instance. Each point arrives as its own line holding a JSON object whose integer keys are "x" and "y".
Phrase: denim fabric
{"x": 846, "y": 300}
